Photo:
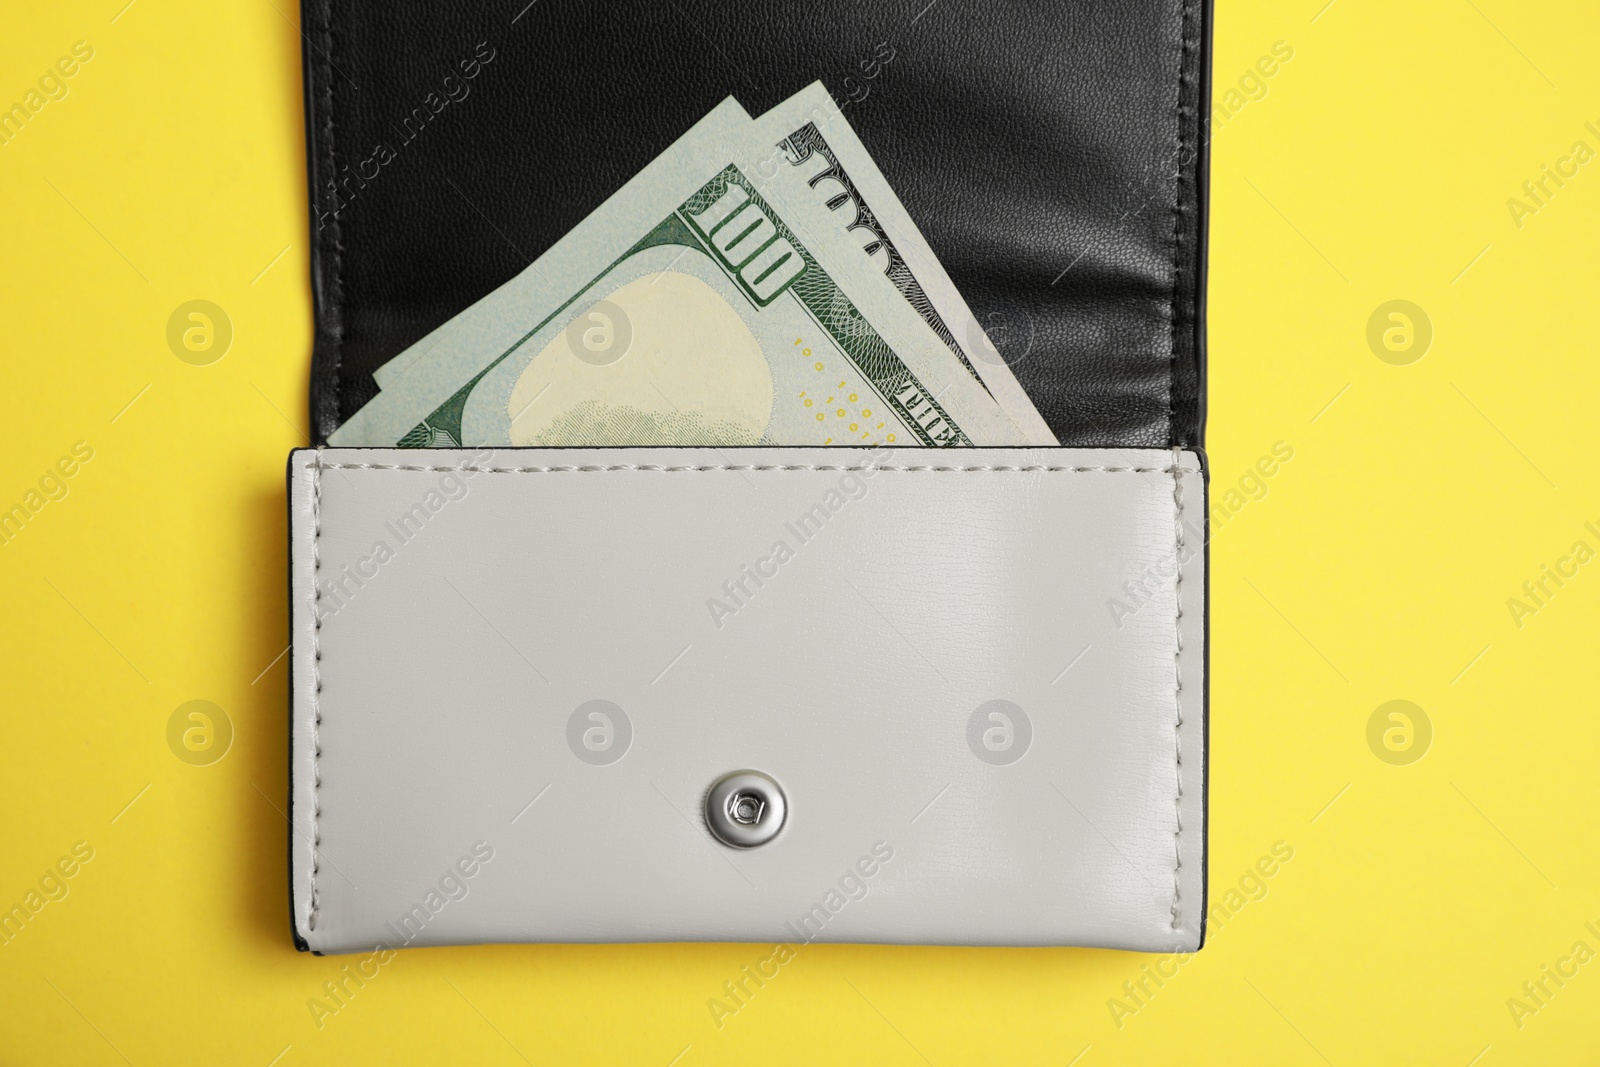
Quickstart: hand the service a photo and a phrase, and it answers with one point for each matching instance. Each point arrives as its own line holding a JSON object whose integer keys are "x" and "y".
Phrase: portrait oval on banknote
{"x": 693, "y": 372}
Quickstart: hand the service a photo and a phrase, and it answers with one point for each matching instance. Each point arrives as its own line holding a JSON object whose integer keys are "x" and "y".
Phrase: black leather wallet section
{"x": 1051, "y": 151}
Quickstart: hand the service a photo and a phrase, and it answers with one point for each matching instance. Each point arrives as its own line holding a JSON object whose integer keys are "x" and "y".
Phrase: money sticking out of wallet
{"x": 758, "y": 283}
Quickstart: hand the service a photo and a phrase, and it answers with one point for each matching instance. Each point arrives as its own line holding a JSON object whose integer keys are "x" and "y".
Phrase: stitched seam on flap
{"x": 1030, "y": 469}
{"x": 336, "y": 296}
{"x": 326, "y": 231}
{"x": 1177, "y": 224}
{"x": 1177, "y": 683}
{"x": 316, "y": 682}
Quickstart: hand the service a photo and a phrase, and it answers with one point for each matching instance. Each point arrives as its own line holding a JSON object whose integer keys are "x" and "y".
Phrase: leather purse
{"x": 951, "y": 696}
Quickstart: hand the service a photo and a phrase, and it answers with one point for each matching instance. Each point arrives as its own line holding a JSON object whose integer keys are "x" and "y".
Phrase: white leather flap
{"x": 977, "y": 677}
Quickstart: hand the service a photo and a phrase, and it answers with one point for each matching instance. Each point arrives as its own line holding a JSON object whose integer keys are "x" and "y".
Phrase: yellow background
{"x": 1377, "y": 166}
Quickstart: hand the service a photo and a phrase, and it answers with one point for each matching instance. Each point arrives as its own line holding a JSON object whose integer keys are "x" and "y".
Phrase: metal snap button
{"x": 745, "y": 809}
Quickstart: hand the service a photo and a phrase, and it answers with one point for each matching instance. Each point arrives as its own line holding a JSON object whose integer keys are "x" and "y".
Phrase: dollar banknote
{"x": 809, "y": 148}
{"x": 697, "y": 305}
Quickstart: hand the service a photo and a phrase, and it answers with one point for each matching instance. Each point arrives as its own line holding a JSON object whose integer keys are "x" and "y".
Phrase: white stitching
{"x": 316, "y": 682}
{"x": 1177, "y": 681}
{"x": 464, "y": 469}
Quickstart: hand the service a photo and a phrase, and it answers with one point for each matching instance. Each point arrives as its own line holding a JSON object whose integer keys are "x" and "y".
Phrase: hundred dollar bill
{"x": 688, "y": 309}
{"x": 809, "y": 150}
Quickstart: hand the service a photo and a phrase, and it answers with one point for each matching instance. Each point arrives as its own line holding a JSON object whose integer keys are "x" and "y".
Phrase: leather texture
{"x": 455, "y": 613}
{"x": 1050, "y": 151}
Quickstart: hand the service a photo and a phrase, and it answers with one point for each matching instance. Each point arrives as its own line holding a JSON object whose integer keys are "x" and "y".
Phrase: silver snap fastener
{"x": 745, "y": 809}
